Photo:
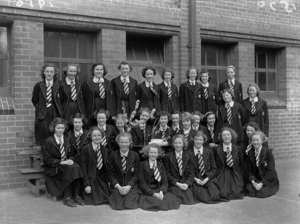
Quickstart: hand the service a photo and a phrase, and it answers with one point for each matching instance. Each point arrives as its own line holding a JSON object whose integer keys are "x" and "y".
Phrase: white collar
{"x": 195, "y": 127}
{"x": 163, "y": 129}
{"x": 258, "y": 150}
{"x": 95, "y": 146}
{"x": 148, "y": 84}
{"x": 232, "y": 81}
{"x": 205, "y": 84}
{"x": 125, "y": 78}
{"x": 124, "y": 154}
{"x": 69, "y": 81}
{"x": 151, "y": 163}
{"x": 196, "y": 151}
{"x": 57, "y": 139}
{"x": 227, "y": 146}
{"x": 167, "y": 83}
{"x": 178, "y": 154}
{"x": 49, "y": 82}
{"x": 97, "y": 80}
{"x": 175, "y": 127}
{"x": 186, "y": 131}
{"x": 76, "y": 133}
{"x": 230, "y": 104}
{"x": 210, "y": 128}
{"x": 102, "y": 127}
{"x": 192, "y": 82}
{"x": 255, "y": 99}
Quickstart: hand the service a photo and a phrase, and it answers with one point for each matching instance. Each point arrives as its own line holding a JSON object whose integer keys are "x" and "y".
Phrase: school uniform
{"x": 265, "y": 173}
{"x": 211, "y": 134}
{"x": 93, "y": 100}
{"x": 110, "y": 136}
{"x": 78, "y": 139}
{"x": 183, "y": 173}
{"x": 140, "y": 137}
{"x": 124, "y": 102}
{"x": 230, "y": 179}
{"x": 238, "y": 91}
{"x": 211, "y": 191}
{"x": 162, "y": 133}
{"x": 94, "y": 175}
{"x": 59, "y": 177}
{"x": 149, "y": 98}
{"x": 169, "y": 103}
{"x": 189, "y": 136}
{"x": 148, "y": 185}
{"x": 45, "y": 111}
{"x": 209, "y": 100}
{"x": 190, "y": 97}
{"x": 174, "y": 130}
{"x": 260, "y": 115}
{"x": 71, "y": 105}
{"x": 116, "y": 175}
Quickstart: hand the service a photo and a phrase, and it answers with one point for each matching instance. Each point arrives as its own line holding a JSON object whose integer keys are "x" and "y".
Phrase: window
{"x": 144, "y": 51}
{"x": 4, "y": 61}
{"x": 265, "y": 68}
{"x": 215, "y": 58}
{"x": 62, "y": 48}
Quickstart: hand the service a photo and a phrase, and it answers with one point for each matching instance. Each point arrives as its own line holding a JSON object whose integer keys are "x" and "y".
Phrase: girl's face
{"x": 149, "y": 75}
{"x": 99, "y": 71}
{"x": 226, "y": 137}
{"x": 101, "y": 119}
{"x": 196, "y": 120}
{"x": 256, "y": 141}
{"x": 192, "y": 74}
{"x": 227, "y": 97}
{"x": 72, "y": 72}
{"x": 59, "y": 129}
{"x": 230, "y": 73}
{"x": 204, "y": 78}
{"x": 249, "y": 131}
{"x": 77, "y": 123}
{"x": 49, "y": 73}
{"x": 124, "y": 144}
{"x": 163, "y": 121}
{"x": 175, "y": 119}
{"x": 198, "y": 142}
{"x": 96, "y": 137}
{"x": 186, "y": 124}
{"x": 153, "y": 153}
{"x": 144, "y": 116}
{"x": 125, "y": 69}
{"x": 252, "y": 91}
{"x": 120, "y": 124}
{"x": 211, "y": 120}
{"x": 168, "y": 76}
{"x": 178, "y": 144}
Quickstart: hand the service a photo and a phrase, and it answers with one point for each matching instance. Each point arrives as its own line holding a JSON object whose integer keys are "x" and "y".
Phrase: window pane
{"x": 222, "y": 75}
{"x": 3, "y": 42}
{"x": 261, "y": 60}
{"x": 213, "y": 75}
{"x": 261, "y": 78}
{"x": 51, "y": 46}
{"x": 140, "y": 52}
{"x": 211, "y": 52}
{"x": 271, "y": 60}
{"x": 68, "y": 45}
{"x": 86, "y": 46}
{"x": 272, "y": 81}
{"x": 203, "y": 55}
{"x": 85, "y": 73}
{"x": 154, "y": 54}
{"x": 3, "y": 73}
{"x": 223, "y": 61}
{"x": 129, "y": 52}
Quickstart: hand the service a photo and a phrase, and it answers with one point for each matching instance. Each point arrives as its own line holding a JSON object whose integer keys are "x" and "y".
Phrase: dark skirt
{"x": 264, "y": 192}
{"x": 186, "y": 197}
{"x": 71, "y": 109}
{"x": 66, "y": 174}
{"x": 119, "y": 202}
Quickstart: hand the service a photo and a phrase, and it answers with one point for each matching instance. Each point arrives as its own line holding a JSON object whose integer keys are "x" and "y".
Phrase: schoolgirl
{"x": 162, "y": 130}
{"x": 196, "y": 120}
{"x": 210, "y": 131}
{"x": 187, "y": 130}
{"x": 176, "y": 125}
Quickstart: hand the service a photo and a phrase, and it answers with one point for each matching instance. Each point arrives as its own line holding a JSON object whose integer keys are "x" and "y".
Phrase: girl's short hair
{"x": 124, "y": 63}
{"x": 177, "y": 112}
{"x": 204, "y": 71}
{"x": 124, "y": 135}
{"x": 102, "y": 111}
{"x": 230, "y": 92}
{"x": 201, "y": 134}
{"x": 231, "y": 66}
{"x": 121, "y": 117}
{"x": 143, "y": 109}
{"x": 186, "y": 116}
{"x": 46, "y": 66}
{"x": 145, "y": 150}
{"x": 253, "y": 125}
{"x": 162, "y": 114}
{"x": 185, "y": 143}
{"x": 208, "y": 114}
{"x": 148, "y": 68}
{"x": 262, "y": 135}
{"x": 78, "y": 116}
{"x": 95, "y": 65}
{"x": 187, "y": 73}
{"x": 232, "y": 133}
{"x": 56, "y": 121}
{"x": 95, "y": 128}
{"x": 255, "y": 86}
{"x": 165, "y": 70}
{"x": 65, "y": 69}
{"x": 196, "y": 113}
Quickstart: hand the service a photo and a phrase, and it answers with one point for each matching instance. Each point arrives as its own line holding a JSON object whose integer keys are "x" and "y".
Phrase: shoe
{"x": 79, "y": 200}
{"x": 69, "y": 202}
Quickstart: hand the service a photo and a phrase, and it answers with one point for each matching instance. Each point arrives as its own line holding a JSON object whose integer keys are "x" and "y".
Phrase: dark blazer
{"x": 88, "y": 163}
{"x": 156, "y": 133}
{"x": 173, "y": 132}
{"x": 118, "y": 88}
{"x": 190, "y": 137}
{"x": 84, "y": 139}
{"x": 89, "y": 98}
{"x": 115, "y": 172}
{"x": 238, "y": 91}
{"x": 144, "y": 178}
{"x": 190, "y": 99}
{"x": 65, "y": 96}
{"x": 261, "y": 116}
{"x": 209, "y": 104}
{"x": 143, "y": 96}
{"x": 39, "y": 99}
{"x": 164, "y": 98}
{"x": 110, "y": 134}
{"x": 52, "y": 157}
{"x": 207, "y": 133}
{"x": 172, "y": 169}
{"x": 137, "y": 134}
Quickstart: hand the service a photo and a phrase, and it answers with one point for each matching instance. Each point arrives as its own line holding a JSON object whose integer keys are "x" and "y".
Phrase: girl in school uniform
{"x": 71, "y": 92}
{"x": 209, "y": 95}
{"x": 63, "y": 174}
{"x": 229, "y": 160}
{"x": 190, "y": 93}
{"x": 169, "y": 96}
{"x": 121, "y": 123}
{"x": 209, "y": 122}
{"x": 176, "y": 125}
{"x": 263, "y": 181}
{"x": 205, "y": 185}
{"x": 46, "y": 100}
{"x": 256, "y": 109}
{"x": 123, "y": 166}
{"x": 93, "y": 163}
{"x": 232, "y": 84}
{"x": 98, "y": 93}
{"x": 153, "y": 182}
{"x": 148, "y": 92}
{"x": 187, "y": 130}
{"x": 196, "y": 120}
{"x": 162, "y": 130}
{"x": 180, "y": 171}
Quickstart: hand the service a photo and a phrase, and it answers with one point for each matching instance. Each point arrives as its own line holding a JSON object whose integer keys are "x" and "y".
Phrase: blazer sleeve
{"x": 111, "y": 171}
{"x": 164, "y": 179}
{"x": 172, "y": 180}
{"x": 142, "y": 182}
{"x": 181, "y": 97}
{"x": 48, "y": 157}
{"x": 266, "y": 119}
{"x": 269, "y": 172}
{"x": 133, "y": 179}
{"x": 35, "y": 94}
{"x": 83, "y": 165}
{"x": 191, "y": 173}
{"x": 241, "y": 91}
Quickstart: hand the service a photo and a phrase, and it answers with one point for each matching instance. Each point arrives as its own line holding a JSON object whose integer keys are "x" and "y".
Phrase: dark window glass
{"x": 68, "y": 45}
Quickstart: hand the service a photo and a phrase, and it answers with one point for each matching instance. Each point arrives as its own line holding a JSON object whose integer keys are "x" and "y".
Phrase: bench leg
{"x": 34, "y": 185}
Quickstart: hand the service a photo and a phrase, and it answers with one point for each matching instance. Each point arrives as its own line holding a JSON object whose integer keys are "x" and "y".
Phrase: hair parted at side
{"x": 124, "y": 135}
{"x": 148, "y": 68}
{"x": 187, "y": 73}
{"x": 65, "y": 69}
{"x": 253, "y": 125}
{"x": 100, "y": 64}
{"x": 256, "y": 87}
{"x": 262, "y": 135}
{"x": 102, "y": 111}
{"x": 145, "y": 150}
{"x": 56, "y": 121}
{"x": 165, "y": 70}
{"x": 181, "y": 136}
{"x": 201, "y": 134}
{"x": 50, "y": 65}
{"x": 232, "y": 133}
{"x": 230, "y": 92}
{"x": 124, "y": 63}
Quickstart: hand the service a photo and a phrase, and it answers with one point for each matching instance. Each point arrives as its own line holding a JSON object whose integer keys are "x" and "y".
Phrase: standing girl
{"x": 46, "y": 100}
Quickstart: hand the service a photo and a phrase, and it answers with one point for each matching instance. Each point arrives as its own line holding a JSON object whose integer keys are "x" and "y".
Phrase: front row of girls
{"x": 186, "y": 175}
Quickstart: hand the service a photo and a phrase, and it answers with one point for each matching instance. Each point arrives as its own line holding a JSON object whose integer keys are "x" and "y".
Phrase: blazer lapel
{"x": 205, "y": 155}
{"x": 262, "y": 155}
{"x": 53, "y": 141}
{"x": 223, "y": 113}
{"x": 188, "y": 85}
{"x": 93, "y": 153}
{"x": 44, "y": 89}
{"x": 219, "y": 153}
{"x": 144, "y": 88}
{"x": 185, "y": 160}
{"x": 173, "y": 160}
{"x": 129, "y": 160}
{"x": 259, "y": 104}
{"x": 119, "y": 84}
{"x": 234, "y": 153}
{"x": 234, "y": 110}
{"x": 131, "y": 84}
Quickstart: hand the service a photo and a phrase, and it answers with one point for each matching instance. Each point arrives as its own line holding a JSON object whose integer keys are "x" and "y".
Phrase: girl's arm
{"x": 164, "y": 179}
{"x": 48, "y": 157}
{"x": 133, "y": 179}
{"x": 168, "y": 165}
{"x": 111, "y": 171}
{"x": 142, "y": 182}
{"x": 35, "y": 94}
{"x": 191, "y": 174}
{"x": 83, "y": 166}
{"x": 213, "y": 167}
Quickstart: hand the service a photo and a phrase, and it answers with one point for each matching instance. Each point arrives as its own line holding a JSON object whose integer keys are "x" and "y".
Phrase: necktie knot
{"x": 227, "y": 105}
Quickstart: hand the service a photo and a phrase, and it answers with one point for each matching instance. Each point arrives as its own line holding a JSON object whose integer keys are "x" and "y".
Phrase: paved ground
{"x": 20, "y": 206}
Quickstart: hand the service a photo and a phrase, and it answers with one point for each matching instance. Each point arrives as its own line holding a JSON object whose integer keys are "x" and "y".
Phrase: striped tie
{"x": 49, "y": 95}
{"x": 73, "y": 91}
{"x": 62, "y": 150}
{"x": 152, "y": 90}
{"x": 249, "y": 146}
{"x": 124, "y": 163}
{"x": 78, "y": 139}
{"x": 229, "y": 160}
{"x": 99, "y": 158}
{"x": 156, "y": 173}
{"x": 205, "y": 92}
{"x": 101, "y": 90}
{"x": 257, "y": 158}
{"x": 169, "y": 91}
{"x": 231, "y": 86}
{"x": 103, "y": 140}
{"x": 201, "y": 164}
{"x": 229, "y": 114}
{"x": 179, "y": 162}
{"x": 212, "y": 134}
{"x": 186, "y": 134}
{"x": 163, "y": 133}
{"x": 253, "y": 110}
{"x": 126, "y": 87}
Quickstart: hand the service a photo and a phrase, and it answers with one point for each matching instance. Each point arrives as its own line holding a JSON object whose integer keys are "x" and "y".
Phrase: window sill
{"x": 7, "y": 106}
{"x": 275, "y": 103}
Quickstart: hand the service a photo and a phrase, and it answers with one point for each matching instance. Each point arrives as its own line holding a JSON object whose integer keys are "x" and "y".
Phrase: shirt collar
{"x": 258, "y": 150}
{"x": 175, "y": 127}
{"x": 95, "y": 146}
{"x": 142, "y": 126}
{"x": 69, "y": 81}
{"x": 196, "y": 151}
{"x": 49, "y": 82}
{"x": 186, "y": 131}
{"x": 226, "y": 146}
{"x": 206, "y": 85}
{"x": 163, "y": 129}
{"x": 210, "y": 128}
{"x": 148, "y": 84}
{"x": 78, "y": 132}
{"x": 230, "y": 104}
{"x": 151, "y": 163}
{"x": 167, "y": 83}
{"x": 255, "y": 99}
{"x": 178, "y": 154}
{"x": 57, "y": 139}
{"x": 102, "y": 127}
{"x": 125, "y": 78}
{"x": 97, "y": 80}
{"x": 232, "y": 81}
{"x": 195, "y": 127}
{"x": 192, "y": 82}
{"x": 124, "y": 154}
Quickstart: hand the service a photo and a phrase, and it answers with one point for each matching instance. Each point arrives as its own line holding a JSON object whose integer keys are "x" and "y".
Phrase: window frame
{"x": 5, "y": 91}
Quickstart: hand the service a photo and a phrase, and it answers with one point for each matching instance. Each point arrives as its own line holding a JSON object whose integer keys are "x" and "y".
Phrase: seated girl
{"x": 209, "y": 123}
{"x": 196, "y": 118}
{"x": 187, "y": 130}
{"x": 162, "y": 130}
